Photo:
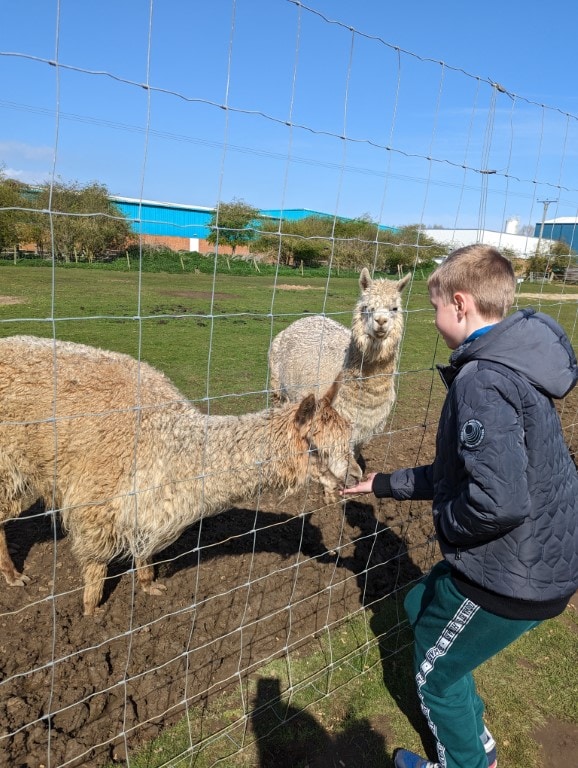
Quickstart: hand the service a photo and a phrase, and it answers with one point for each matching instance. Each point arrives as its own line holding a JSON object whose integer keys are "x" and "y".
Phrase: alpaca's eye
{"x": 394, "y": 309}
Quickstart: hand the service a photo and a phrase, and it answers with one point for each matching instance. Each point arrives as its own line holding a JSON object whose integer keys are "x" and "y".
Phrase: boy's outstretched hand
{"x": 363, "y": 487}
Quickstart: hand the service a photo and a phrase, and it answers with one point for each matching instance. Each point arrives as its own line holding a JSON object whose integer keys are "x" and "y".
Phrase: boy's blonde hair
{"x": 481, "y": 271}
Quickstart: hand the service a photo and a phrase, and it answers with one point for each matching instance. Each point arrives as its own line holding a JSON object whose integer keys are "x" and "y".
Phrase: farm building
{"x": 523, "y": 246}
{"x": 179, "y": 227}
{"x": 563, "y": 228}
{"x": 186, "y": 227}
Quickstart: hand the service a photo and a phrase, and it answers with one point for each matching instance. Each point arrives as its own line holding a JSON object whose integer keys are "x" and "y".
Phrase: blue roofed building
{"x": 564, "y": 228}
{"x": 296, "y": 214}
{"x": 186, "y": 227}
{"x": 177, "y": 226}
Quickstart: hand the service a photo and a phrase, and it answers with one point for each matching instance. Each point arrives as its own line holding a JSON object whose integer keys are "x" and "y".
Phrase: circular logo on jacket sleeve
{"x": 472, "y": 433}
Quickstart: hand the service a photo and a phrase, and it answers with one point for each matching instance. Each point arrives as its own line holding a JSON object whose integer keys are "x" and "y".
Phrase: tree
{"x": 348, "y": 243}
{"x": 356, "y": 242}
{"x": 295, "y": 241}
{"x": 555, "y": 260}
{"x": 233, "y": 224}
{"x": 12, "y": 220}
{"x": 408, "y": 246}
{"x": 83, "y": 224}
{"x": 561, "y": 250}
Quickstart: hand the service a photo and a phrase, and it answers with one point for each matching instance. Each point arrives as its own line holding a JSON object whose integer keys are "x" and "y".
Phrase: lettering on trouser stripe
{"x": 450, "y": 633}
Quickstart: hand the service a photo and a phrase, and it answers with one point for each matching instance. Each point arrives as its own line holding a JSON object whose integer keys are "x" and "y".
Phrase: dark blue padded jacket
{"x": 504, "y": 485}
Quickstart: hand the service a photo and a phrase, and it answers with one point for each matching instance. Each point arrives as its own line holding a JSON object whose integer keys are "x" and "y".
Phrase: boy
{"x": 504, "y": 492}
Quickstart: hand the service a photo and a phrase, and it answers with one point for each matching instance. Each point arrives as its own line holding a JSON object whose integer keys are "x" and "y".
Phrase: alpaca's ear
{"x": 306, "y": 412}
{"x": 331, "y": 394}
{"x": 403, "y": 282}
{"x": 365, "y": 279}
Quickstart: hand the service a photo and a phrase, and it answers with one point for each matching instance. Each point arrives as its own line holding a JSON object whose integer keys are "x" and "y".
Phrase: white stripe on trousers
{"x": 450, "y": 633}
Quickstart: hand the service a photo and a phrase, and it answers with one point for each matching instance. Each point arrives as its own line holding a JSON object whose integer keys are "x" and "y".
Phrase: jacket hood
{"x": 530, "y": 343}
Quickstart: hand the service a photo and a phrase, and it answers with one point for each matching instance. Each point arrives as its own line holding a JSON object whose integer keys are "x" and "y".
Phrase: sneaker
{"x": 405, "y": 759}
{"x": 490, "y": 747}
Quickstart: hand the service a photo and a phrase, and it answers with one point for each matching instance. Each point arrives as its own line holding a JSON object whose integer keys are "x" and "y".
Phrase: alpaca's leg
{"x": 146, "y": 578}
{"x": 278, "y": 397}
{"x": 10, "y": 507}
{"x": 94, "y": 574}
{"x": 330, "y": 496}
{"x": 360, "y": 460}
{"x": 13, "y": 577}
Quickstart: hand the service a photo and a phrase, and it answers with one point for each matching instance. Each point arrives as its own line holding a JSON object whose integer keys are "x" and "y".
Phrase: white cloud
{"x": 26, "y": 177}
{"x": 27, "y": 163}
{"x": 18, "y": 150}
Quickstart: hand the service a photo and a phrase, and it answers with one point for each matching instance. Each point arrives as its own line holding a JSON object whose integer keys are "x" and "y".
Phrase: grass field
{"x": 211, "y": 337}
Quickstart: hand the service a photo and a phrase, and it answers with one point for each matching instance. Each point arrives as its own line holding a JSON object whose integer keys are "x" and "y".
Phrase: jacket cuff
{"x": 381, "y": 485}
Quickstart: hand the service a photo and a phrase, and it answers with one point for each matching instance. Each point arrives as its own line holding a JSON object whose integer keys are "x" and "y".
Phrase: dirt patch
{"x": 11, "y": 300}
{"x": 287, "y": 287}
{"x": 551, "y": 296}
{"x": 558, "y": 743}
{"x": 200, "y": 295}
{"x": 241, "y": 588}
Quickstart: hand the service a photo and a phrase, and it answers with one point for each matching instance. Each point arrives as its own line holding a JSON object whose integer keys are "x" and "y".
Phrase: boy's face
{"x": 449, "y": 320}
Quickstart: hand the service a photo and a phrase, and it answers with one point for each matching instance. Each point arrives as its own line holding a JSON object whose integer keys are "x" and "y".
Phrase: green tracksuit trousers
{"x": 453, "y": 636}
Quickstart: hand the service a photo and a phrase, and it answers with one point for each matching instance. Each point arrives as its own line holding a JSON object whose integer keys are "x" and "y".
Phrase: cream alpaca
{"x": 313, "y": 350}
{"x": 130, "y": 463}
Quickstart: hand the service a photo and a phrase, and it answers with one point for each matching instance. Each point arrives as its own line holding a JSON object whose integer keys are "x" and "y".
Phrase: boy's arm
{"x": 403, "y": 484}
{"x": 413, "y": 483}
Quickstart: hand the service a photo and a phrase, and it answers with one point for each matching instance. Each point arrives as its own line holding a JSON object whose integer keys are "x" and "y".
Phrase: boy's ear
{"x": 459, "y": 301}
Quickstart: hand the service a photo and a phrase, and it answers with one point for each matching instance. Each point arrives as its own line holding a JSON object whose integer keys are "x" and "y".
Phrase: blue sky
{"x": 337, "y": 106}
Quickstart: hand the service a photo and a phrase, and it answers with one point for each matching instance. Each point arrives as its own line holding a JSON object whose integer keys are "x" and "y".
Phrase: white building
{"x": 523, "y": 246}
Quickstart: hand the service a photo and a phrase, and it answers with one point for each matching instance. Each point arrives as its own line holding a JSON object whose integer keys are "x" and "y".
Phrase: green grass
{"x": 173, "y": 320}
{"x": 351, "y": 690}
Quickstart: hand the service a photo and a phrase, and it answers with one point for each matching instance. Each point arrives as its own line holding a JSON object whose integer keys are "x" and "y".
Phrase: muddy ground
{"x": 240, "y": 588}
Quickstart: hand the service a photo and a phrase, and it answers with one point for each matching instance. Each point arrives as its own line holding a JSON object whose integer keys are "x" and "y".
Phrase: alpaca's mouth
{"x": 354, "y": 475}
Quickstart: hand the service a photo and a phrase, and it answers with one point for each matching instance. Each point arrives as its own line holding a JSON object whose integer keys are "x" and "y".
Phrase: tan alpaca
{"x": 130, "y": 463}
{"x": 312, "y": 351}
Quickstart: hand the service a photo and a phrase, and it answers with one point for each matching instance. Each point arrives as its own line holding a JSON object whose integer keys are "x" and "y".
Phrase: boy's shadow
{"x": 380, "y": 558}
{"x": 385, "y": 572}
{"x": 287, "y": 736}
{"x": 396, "y": 654}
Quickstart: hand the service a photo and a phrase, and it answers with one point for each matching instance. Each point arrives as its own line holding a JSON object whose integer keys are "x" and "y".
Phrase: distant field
{"x": 211, "y": 336}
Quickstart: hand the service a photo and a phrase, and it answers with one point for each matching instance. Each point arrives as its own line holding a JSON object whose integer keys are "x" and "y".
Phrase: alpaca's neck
{"x": 245, "y": 454}
{"x": 371, "y": 357}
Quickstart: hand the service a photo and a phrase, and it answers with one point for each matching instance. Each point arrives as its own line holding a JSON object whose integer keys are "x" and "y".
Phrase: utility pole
{"x": 484, "y": 172}
{"x": 545, "y": 203}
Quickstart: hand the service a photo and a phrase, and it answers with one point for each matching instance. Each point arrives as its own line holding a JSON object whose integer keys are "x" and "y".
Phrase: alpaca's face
{"x": 378, "y": 312}
{"x": 379, "y": 317}
{"x": 332, "y": 462}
